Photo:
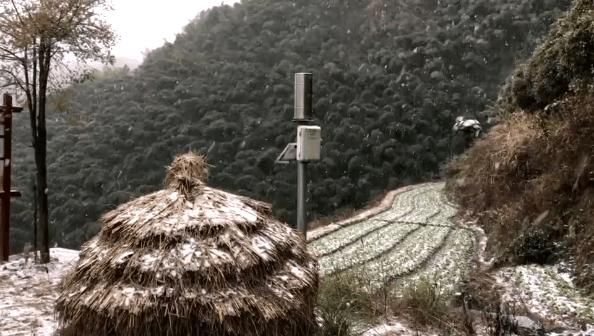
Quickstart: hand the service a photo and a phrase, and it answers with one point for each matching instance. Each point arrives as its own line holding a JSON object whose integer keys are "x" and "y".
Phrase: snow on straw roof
{"x": 190, "y": 259}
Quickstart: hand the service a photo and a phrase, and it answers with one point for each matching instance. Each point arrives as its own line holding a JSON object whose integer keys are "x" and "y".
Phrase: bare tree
{"x": 38, "y": 40}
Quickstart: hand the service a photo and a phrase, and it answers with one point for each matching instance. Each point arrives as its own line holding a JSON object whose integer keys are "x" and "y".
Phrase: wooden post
{"x": 6, "y": 193}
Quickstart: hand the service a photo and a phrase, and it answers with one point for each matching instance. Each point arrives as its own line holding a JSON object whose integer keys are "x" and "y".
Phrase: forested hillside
{"x": 389, "y": 77}
{"x": 530, "y": 181}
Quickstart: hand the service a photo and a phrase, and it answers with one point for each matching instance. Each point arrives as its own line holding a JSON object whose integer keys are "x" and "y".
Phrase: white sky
{"x": 146, "y": 24}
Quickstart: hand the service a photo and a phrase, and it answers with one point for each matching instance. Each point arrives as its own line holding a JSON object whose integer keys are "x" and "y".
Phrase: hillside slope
{"x": 530, "y": 181}
{"x": 390, "y": 77}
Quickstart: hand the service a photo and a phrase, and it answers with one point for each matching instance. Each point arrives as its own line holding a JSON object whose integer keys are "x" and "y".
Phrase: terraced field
{"x": 413, "y": 238}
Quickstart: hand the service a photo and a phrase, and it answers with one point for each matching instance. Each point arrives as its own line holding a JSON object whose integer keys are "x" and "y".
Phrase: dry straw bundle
{"x": 190, "y": 260}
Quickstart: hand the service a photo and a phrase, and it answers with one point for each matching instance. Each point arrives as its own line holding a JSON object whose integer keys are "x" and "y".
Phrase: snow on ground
{"x": 28, "y": 292}
{"x": 545, "y": 291}
{"x": 394, "y": 329}
{"x": 548, "y": 292}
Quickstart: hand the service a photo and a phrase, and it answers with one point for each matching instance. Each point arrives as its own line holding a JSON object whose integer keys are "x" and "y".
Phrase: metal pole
{"x": 301, "y": 224}
{"x": 303, "y": 113}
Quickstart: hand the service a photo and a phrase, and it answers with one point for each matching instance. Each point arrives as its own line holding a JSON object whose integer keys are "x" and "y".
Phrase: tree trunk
{"x": 35, "y": 239}
{"x": 40, "y": 158}
{"x": 41, "y": 151}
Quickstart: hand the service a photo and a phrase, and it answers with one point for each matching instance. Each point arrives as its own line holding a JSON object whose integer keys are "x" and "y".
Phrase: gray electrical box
{"x": 309, "y": 143}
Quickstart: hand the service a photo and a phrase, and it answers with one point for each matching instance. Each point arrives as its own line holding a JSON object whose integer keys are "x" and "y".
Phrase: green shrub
{"x": 534, "y": 245}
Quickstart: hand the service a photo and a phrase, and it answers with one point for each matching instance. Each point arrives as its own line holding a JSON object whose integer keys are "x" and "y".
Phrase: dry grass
{"x": 479, "y": 291}
{"x": 498, "y": 323}
{"x": 480, "y": 176}
{"x": 342, "y": 303}
{"x": 425, "y": 302}
{"x": 191, "y": 260}
{"x": 530, "y": 183}
{"x": 187, "y": 173}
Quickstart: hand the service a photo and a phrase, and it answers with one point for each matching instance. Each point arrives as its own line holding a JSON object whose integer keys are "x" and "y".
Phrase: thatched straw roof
{"x": 190, "y": 260}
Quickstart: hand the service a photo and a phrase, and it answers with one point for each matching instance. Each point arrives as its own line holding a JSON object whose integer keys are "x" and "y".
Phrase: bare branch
{"x": 11, "y": 74}
{"x": 11, "y": 53}
{"x": 9, "y": 84}
{"x": 18, "y": 15}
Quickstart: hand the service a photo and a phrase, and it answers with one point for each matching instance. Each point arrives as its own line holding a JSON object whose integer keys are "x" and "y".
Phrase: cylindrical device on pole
{"x": 301, "y": 226}
{"x": 303, "y": 97}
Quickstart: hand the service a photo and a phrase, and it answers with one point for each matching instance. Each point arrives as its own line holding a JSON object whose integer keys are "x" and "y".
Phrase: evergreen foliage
{"x": 389, "y": 78}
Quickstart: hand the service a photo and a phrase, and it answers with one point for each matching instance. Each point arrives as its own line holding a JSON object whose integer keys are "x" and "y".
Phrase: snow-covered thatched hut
{"x": 190, "y": 260}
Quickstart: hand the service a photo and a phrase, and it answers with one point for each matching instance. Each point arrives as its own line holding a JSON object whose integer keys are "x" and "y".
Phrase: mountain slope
{"x": 530, "y": 181}
{"x": 390, "y": 77}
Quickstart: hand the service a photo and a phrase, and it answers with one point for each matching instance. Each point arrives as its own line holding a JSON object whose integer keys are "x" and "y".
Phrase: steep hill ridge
{"x": 530, "y": 181}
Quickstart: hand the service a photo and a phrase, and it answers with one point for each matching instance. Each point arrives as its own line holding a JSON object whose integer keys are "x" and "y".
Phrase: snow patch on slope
{"x": 394, "y": 329}
{"x": 548, "y": 292}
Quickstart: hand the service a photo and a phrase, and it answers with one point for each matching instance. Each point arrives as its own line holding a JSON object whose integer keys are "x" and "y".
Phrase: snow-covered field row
{"x": 425, "y": 207}
{"x": 447, "y": 267}
{"x": 398, "y": 241}
{"x": 403, "y": 205}
{"x": 548, "y": 293}
{"x": 406, "y": 258}
{"x": 367, "y": 248}
{"x": 417, "y": 206}
{"x": 365, "y": 245}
